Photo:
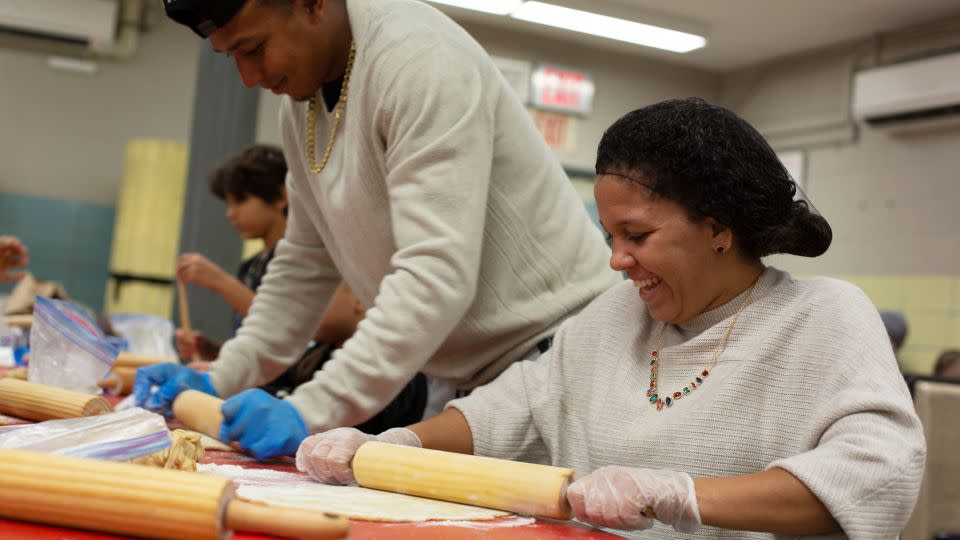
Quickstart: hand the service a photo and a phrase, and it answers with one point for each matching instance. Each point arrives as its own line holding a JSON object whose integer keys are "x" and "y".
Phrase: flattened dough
{"x": 365, "y": 504}
{"x": 299, "y": 491}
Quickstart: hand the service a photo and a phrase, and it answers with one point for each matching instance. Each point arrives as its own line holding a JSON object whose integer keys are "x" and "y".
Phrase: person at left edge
{"x": 13, "y": 254}
{"x": 416, "y": 176}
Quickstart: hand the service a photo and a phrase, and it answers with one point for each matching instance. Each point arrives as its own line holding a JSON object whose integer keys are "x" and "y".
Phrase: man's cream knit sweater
{"x": 442, "y": 208}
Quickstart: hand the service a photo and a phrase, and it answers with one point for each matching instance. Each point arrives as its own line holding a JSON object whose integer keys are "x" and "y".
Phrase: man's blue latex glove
{"x": 170, "y": 379}
{"x": 263, "y": 425}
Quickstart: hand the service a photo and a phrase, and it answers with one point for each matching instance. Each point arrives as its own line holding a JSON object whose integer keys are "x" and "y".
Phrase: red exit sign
{"x": 562, "y": 90}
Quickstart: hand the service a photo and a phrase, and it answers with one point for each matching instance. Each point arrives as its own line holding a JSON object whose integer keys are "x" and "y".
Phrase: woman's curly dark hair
{"x": 715, "y": 164}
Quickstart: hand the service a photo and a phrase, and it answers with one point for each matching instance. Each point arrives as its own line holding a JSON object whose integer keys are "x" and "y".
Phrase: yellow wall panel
{"x": 931, "y": 305}
{"x": 251, "y": 248}
{"x": 919, "y": 361}
{"x": 926, "y": 329}
{"x": 953, "y": 329}
{"x": 927, "y": 293}
{"x": 146, "y": 234}
{"x": 885, "y": 291}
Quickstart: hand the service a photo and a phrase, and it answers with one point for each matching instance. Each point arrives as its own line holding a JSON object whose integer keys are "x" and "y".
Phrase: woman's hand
{"x": 631, "y": 498}
{"x": 328, "y": 456}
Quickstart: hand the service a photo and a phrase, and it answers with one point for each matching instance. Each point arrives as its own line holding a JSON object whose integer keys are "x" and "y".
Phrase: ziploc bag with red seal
{"x": 117, "y": 436}
{"x": 67, "y": 348}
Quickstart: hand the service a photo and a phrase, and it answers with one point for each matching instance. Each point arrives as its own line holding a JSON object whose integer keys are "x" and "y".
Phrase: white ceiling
{"x": 742, "y": 32}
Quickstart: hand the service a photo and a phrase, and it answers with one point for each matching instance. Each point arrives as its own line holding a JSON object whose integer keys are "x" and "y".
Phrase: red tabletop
{"x": 498, "y": 529}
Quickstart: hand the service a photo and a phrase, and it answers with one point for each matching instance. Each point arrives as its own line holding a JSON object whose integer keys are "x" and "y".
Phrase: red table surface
{"x": 359, "y": 530}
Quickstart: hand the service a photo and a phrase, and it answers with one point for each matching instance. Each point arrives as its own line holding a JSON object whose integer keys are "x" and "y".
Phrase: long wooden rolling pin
{"x": 130, "y": 360}
{"x": 126, "y": 499}
{"x": 22, "y": 321}
{"x": 40, "y": 402}
{"x": 522, "y": 488}
{"x": 119, "y": 381}
{"x": 184, "y": 305}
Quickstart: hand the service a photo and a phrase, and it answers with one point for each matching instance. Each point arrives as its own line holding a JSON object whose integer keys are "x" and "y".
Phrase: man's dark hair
{"x": 258, "y": 171}
{"x": 715, "y": 164}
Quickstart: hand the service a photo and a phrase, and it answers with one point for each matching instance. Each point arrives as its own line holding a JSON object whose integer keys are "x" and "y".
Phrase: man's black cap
{"x": 203, "y": 16}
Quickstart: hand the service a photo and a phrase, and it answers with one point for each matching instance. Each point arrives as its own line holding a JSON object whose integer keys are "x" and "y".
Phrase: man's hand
{"x": 264, "y": 426}
{"x": 170, "y": 379}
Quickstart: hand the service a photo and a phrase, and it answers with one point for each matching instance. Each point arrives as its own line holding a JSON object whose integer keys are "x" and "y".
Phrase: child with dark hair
{"x": 252, "y": 185}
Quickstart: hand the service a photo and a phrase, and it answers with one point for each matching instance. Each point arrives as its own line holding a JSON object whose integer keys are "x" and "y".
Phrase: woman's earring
{"x": 720, "y": 249}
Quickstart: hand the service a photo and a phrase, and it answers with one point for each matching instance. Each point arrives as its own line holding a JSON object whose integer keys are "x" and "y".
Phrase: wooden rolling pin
{"x": 523, "y": 488}
{"x": 127, "y": 360}
{"x": 119, "y": 381}
{"x": 22, "y": 321}
{"x": 199, "y": 411}
{"x": 126, "y": 499}
{"x": 184, "y": 305}
{"x": 40, "y": 402}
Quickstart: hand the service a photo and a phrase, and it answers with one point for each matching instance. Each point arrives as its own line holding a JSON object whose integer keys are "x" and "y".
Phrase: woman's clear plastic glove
{"x": 327, "y": 456}
{"x": 631, "y": 498}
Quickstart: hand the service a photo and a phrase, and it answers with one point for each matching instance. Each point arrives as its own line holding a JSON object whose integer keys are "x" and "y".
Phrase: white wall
{"x": 891, "y": 199}
{"x": 62, "y": 135}
{"x": 893, "y": 202}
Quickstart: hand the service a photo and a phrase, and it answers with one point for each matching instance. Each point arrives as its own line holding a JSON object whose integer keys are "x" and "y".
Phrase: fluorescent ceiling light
{"x": 608, "y": 27}
{"x": 497, "y": 7}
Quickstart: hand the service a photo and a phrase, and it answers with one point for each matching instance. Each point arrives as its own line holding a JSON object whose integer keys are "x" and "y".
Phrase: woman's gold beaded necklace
{"x": 653, "y": 394}
{"x": 312, "y": 119}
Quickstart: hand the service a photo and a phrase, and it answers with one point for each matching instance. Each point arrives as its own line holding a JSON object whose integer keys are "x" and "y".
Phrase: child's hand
{"x": 199, "y": 270}
{"x": 193, "y": 342}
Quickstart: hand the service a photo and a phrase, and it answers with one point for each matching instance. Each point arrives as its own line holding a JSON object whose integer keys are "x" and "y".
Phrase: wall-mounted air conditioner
{"x": 91, "y": 24}
{"x": 916, "y": 90}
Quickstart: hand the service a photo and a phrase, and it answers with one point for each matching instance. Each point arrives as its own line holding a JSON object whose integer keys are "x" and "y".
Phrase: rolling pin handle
{"x": 288, "y": 522}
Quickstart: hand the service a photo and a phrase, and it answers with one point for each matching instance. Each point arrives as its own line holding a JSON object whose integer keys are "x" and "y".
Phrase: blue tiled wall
{"x": 68, "y": 241}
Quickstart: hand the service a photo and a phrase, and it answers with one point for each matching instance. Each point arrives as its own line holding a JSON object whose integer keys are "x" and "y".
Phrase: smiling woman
{"x": 688, "y": 218}
{"x": 715, "y": 393}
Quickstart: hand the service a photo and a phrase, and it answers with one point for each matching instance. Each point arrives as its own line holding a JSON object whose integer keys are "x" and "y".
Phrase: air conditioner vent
{"x": 909, "y": 91}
